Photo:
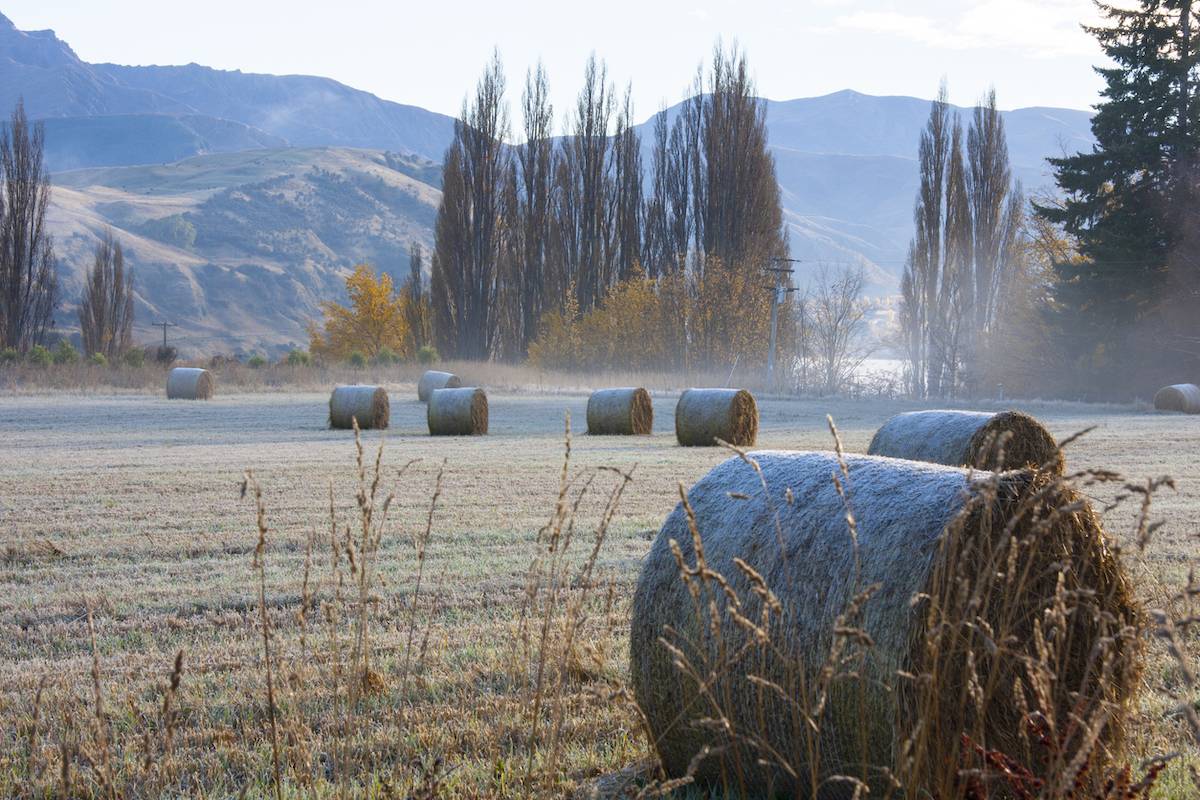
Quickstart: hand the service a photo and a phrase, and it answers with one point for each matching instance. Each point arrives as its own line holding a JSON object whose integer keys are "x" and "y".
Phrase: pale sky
{"x": 430, "y": 53}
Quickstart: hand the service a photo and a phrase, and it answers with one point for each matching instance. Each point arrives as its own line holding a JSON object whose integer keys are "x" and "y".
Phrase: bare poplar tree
{"x": 469, "y": 231}
{"x": 835, "y": 318}
{"x": 996, "y": 209}
{"x": 627, "y": 203}
{"x": 923, "y": 286}
{"x": 587, "y": 149}
{"x": 28, "y": 283}
{"x": 737, "y": 211}
{"x": 416, "y": 309}
{"x": 954, "y": 313}
{"x": 106, "y": 308}
{"x": 541, "y": 288}
{"x": 655, "y": 210}
{"x": 668, "y": 231}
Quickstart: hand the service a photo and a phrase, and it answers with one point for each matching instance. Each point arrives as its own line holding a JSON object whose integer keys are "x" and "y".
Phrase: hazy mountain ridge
{"x": 241, "y": 248}
{"x": 124, "y": 139}
{"x": 302, "y": 110}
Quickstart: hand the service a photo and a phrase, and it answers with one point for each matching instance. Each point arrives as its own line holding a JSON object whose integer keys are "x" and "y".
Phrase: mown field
{"x": 132, "y": 507}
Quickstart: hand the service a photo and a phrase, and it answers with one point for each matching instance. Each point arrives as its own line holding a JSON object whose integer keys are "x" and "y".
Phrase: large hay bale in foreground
{"x": 704, "y": 415}
{"x": 923, "y": 531}
{"x": 622, "y": 412}
{"x": 969, "y": 439}
{"x": 367, "y": 404}
{"x": 1183, "y": 397}
{"x": 457, "y": 412}
{"x": 435, "y": 379}
{"x": 189, "y": 383}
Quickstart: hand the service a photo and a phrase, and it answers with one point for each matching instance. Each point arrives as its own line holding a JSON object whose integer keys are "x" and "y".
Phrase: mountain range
{"x": 242, "y": 199}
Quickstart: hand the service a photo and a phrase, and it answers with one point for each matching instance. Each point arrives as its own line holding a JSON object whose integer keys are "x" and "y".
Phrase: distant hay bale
{"x": 968, "y": 439}
{"x": 923, "y": 531}
{"x": 189, "y": 383}
{"x": 434, "y": 379}
{"x": 1183, "y": 397}
{"x": 704, "y": 415}
{"x": 622, "y": 412}
{"x": 457, "y": 412}
{"x": 368, "y": 404}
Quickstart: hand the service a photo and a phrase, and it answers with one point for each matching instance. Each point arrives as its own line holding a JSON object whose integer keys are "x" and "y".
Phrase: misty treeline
{"x": 1122, "y": 316}
{"x": 569, "y": 250}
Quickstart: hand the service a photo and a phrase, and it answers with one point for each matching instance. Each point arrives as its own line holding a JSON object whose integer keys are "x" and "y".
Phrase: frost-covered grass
{"x": 131, "y": 505}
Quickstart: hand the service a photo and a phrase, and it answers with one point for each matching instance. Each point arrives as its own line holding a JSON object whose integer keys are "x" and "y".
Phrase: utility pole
{"x": 164, "y": 326}
{"x": 778, "y": 293}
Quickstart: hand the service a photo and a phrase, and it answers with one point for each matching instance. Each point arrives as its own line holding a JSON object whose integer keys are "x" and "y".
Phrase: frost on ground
{"x": 132, "y": 505}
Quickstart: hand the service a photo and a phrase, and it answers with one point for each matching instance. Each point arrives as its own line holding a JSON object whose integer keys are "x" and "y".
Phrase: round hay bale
{"x": 1183, "y": 397}
{"x": 189, "y": 383}
{"x": 704, "y": 415}
{"x": 457, "y": 412}
{"x": 622, "y": 412}
{"x": 367, "y": 404}
{"x": 923, "y": 533}
{"x": 969, "y": 439}
{"x": 435, "y": 379}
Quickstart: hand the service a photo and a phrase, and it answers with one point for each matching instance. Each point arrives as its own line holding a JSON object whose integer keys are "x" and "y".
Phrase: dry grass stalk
{"x": 421, "y": 548}
{"x": 259, "y": 564}
{"x": 555, "y": 609}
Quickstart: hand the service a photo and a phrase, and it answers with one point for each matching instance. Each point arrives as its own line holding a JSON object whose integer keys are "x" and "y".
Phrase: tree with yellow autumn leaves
{"x": 375, "y": 321}
{"x": 675, "y": 321}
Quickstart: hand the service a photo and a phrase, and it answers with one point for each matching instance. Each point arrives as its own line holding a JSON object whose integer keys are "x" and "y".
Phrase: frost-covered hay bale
{"x": 189, "y": 383}
{"x": 367, "y": 404}
{"x": 435, "y": 379}
{"x": 969, "y": 439}
{"x": 1183, "y": 397}
{"x": 457, "y": 412}
{"x": 923, "y": 531}
{"x": 704, "y": 415}
{"x": 624, "y": 412}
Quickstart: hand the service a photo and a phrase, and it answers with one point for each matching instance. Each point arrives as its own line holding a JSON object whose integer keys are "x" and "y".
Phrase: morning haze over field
{"x": 638, "y": 400}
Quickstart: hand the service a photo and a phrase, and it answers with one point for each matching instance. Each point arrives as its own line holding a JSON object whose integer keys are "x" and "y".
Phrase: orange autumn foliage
{"x": 373, "y": 322}
{"x": 677, "y": 321}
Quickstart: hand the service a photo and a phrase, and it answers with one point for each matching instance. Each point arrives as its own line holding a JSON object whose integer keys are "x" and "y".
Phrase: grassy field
{"x": 132, "y": 506}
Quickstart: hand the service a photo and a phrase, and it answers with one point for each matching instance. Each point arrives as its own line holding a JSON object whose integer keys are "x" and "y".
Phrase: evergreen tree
{"x": 1125, "y": 201}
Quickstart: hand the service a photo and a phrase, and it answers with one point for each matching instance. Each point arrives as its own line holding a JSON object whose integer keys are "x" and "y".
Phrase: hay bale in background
{"x": 457, "y": 412}
{"x": 704, "y": 415}
{"x": 623, "y": 412}
{"x": 368, "y": 404}
{"x": 968, "y": 439}
{"x": 189, "y": 383}
{"x": 434, "y": 379}
{"x": 1183, "y": 397}
{"x": 795, "y": 536}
